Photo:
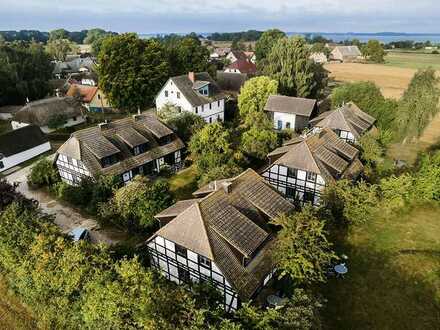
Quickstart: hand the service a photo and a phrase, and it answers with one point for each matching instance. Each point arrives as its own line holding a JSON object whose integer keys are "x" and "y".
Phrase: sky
{"x": 165, "y": 16}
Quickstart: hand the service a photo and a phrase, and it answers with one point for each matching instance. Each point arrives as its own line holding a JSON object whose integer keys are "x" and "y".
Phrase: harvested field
{"x": 392, "y": 81}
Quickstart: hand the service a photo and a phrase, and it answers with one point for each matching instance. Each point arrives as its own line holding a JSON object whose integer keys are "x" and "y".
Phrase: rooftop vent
{"x": 227, "y": 187}
{"x": 104, "y": 125}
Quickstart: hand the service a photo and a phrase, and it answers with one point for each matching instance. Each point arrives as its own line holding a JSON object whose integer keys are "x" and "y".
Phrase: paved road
{"x": 65, "y": 217}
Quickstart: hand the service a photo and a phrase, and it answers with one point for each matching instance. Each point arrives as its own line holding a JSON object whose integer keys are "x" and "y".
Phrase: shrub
{"x": 43, "y": 173}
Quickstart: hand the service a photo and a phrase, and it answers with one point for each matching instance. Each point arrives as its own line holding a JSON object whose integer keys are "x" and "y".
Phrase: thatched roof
{"x": 40, "y": 112}
{"x": 231, "y": 224}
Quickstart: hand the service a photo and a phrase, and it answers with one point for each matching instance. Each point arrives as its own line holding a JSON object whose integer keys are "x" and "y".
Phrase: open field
{"x": 392, "y": 81}
{"x": 412, "y": 60}
{"x": 394, "y": 274}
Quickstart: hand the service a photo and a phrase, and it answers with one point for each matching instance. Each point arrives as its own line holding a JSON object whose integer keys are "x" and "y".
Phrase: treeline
{"x": 78, "y": 37}
{"x": 83, "y": 286}
{"x": 251, "y": 35}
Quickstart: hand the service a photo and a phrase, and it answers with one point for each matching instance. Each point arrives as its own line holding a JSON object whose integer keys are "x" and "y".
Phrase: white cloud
{"x": 174, "y": 15}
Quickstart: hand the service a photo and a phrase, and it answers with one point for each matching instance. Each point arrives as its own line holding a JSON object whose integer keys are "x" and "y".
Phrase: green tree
{"x": 56, "y": 120}
{"x": 93, "y": 35}
{"x": 43, "y": 173}
{"x": 419, "y": 103}
{"x": 368, "y": 97}
{"x": 320, "y": 48}
{"x": 58, "y": 34}
{"x": 265, "y": 43}
{"x": 25, "y": 70}
{"x": 187, "y": 55}
{"x": 131, "y": 81}
{"x": 288, "y": 63}
{"x": 136, "y": 204}
{"x": 186, "y": 124}
{"x": 374, "y": 51}
{"x": 238, "y": 44}
{"x": 303, "y": 252}
{"x": 60, "y": 48}
{"x": 259, "y": 138}
{"x": 254, "y": 95}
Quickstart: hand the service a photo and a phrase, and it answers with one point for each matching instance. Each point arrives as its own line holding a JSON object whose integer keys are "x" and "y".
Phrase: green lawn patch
{"x": 412, "y": 60}
{"x": 394, "y": 274}
{"x": 184, "y": 183}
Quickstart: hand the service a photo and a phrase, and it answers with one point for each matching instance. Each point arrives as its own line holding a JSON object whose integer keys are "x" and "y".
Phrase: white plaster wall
{"x": 232, "y": 70}
{"x": 162, "y": 100}
{"x": 23, "y": 156}
{"x": 217, "y": 110}
{"x": 284, "y": 118}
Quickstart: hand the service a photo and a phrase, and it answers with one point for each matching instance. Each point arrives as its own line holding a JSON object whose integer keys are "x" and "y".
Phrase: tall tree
{"x": 265, "y": 43}
{"x": 60, "y": 48}
{"x": 254, "y": 94}
{"x": 132, "y": 70}
{"x": 58, "y": 34}
{"x": 374, "y": 51}
{"x": 303, "y": 252}
{"x": 188, "y": 55}
{"x": 419, "y": 104}
{"x": 25, "y": 70}
{"x": 288, "y": 63}
{"x": 93, "y": 35}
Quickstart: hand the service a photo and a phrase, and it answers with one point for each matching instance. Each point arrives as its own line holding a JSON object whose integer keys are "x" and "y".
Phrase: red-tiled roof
{"x": 244, "y": 66}
{"x": 87, "y": 92}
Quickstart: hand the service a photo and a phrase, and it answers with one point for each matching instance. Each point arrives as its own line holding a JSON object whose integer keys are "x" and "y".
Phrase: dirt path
{"x": 65, "y": 217}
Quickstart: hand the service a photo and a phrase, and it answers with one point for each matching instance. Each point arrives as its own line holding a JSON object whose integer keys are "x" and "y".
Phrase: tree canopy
{"x": 25, "y": 70}
{"x": 60, "y": 48}
{"x": 254, "y": 95}
{"x": 288, "y": 63}
{"x": 374, "y": 51}
{"x": 132, "y": 70}
{"x": 265, "y": 43}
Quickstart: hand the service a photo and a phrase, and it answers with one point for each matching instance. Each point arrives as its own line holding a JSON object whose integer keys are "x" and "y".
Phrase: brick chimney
{"x": 192, "y": 76}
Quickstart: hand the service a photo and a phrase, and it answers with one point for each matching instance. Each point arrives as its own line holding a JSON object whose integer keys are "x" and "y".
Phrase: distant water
{"x": 363, "y": 37}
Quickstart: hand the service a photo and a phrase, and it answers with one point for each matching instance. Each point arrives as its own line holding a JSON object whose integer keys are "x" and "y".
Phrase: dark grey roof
{"x": 21, "y": 139}
{"x": 11, "y": 109}
{"x": 228, "y": 225}
{"x": 322, "y": 153}
{"x": 39, "y": 112}
{"x": 346, "y": 118}
{"x": 287, "y": 104}
{"x": 92, "y": 144}
{"x": 231, "y": 82}
{"x": 187, "y": 88}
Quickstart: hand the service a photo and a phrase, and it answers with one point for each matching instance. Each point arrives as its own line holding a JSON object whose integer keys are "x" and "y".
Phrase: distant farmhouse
{"x": 288, "y": 112}
{"x": 20, "y": 145}
{"x": 348, "y": 122}
{"x": 222, "y": 238}
{"x": 236, "y": 55}
{"x": 346, "y": 54}
{"x": 319, "y": 58}
{"x": 303, "y": 166}
{"x": 92, "y": 97}
{"x": 64, "y": 111}
{"x": 219, "y": 53}
{"x": 195, "y": 92}
{"x": 140, "y": 144}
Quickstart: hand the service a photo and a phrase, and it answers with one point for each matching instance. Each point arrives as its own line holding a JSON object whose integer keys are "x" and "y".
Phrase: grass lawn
{"x": 394, "y": 275}
{"x": 184, "y": 183}
{"x": 412, "y": 60}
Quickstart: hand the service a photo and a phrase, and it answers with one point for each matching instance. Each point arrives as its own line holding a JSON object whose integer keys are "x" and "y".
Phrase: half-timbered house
{"x": 348, "y": 122}
{"x": 302, "y": 167}
{"x": 223, "y": 238}
{"x": 140, "y": 144}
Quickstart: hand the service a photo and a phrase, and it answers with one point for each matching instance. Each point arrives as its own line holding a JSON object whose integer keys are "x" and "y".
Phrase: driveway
{"x": 65, "y": 217}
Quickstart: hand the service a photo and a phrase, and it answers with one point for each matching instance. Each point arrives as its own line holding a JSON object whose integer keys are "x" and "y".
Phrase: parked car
{"x": 80, "y": 234}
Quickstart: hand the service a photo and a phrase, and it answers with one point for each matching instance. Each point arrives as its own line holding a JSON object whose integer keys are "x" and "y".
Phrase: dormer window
{"x": 140, "y": 149}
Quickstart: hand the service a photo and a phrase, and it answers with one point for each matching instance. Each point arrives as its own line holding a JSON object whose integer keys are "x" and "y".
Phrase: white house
{"x": 67, "y": 111}
{"x": 345, "y": 53}
{"x": 290, "y": 112}
{"x": 222, "y": 239}
{"x": 348, "y": 122}
{"x": 319, "y": 57}
{"x": 20, "y": 145}
{"x": 140, "y": 144}
{"x": 302, "y": 167}
{"x": 197, "y": 93}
